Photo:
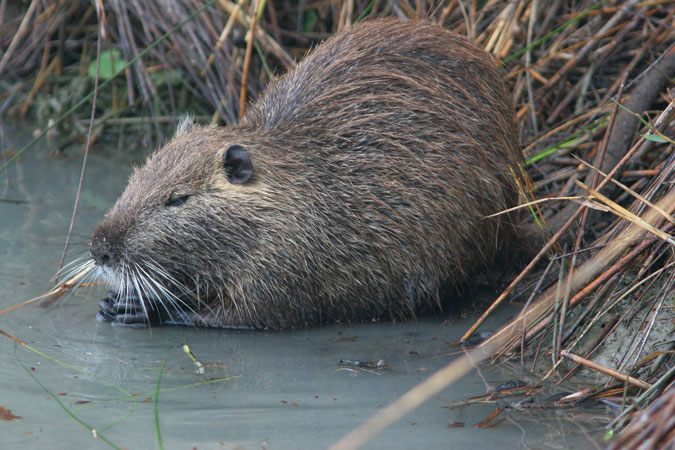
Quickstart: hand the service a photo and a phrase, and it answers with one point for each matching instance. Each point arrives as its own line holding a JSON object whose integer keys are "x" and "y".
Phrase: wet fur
{"x": 375, "y": 162}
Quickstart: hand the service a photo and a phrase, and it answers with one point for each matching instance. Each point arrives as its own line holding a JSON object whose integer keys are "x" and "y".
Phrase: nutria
{"x": 355, "y": 188}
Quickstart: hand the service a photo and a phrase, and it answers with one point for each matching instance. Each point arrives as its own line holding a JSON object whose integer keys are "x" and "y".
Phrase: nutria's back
{"x": 356, "y": 187}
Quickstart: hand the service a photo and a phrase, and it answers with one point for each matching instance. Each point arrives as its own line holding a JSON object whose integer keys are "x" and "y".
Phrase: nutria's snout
{"x": 105, "y": 245}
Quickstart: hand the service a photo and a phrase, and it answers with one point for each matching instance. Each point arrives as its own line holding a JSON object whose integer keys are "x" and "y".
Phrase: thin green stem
{"x": 157, "y": 391}
{"x": 91, "y": 429}
{"x": 546, "y": 37}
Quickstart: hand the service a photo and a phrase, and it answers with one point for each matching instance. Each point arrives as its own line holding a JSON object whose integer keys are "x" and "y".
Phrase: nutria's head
{"x": 179, "y": 218}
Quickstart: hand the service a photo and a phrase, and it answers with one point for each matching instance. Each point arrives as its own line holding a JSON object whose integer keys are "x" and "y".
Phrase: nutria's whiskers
{"x": 77, "y": 272}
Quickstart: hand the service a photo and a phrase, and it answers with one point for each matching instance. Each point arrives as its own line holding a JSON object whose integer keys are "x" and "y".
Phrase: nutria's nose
{"x": 102, "y": 255}
{"x": 104, "y": 246}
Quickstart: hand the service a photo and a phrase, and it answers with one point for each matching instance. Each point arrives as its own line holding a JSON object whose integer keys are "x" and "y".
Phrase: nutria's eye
{"x": 176, "y": 200}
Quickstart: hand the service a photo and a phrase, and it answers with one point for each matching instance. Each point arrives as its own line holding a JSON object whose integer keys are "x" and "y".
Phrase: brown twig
{"x": 23, "y": 29}
{"x": 247, "y": 60}
{"x": 101, "y": 17}
{"x": 606, "y": 370}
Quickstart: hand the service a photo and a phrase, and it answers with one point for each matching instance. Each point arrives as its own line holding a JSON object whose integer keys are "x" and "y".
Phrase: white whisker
{"x": 148, "y": 281}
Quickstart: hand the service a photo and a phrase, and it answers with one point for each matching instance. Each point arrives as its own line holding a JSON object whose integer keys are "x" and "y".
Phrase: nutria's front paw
{"x": 127, "y": 311}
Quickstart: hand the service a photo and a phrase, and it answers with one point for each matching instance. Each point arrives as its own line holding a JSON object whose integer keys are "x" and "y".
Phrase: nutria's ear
{"x": 237, "y": 164}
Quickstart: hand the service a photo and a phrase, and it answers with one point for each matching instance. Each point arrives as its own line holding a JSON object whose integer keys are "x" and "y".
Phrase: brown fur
{"x": 375, "y": 162}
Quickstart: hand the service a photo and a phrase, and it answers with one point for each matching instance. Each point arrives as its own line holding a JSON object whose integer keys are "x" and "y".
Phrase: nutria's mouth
{"x": 139, "y": 296}
{"x": 137, "y": 312}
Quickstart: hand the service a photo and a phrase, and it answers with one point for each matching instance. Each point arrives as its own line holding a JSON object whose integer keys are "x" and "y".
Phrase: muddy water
{"x": 274, "y": 390}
